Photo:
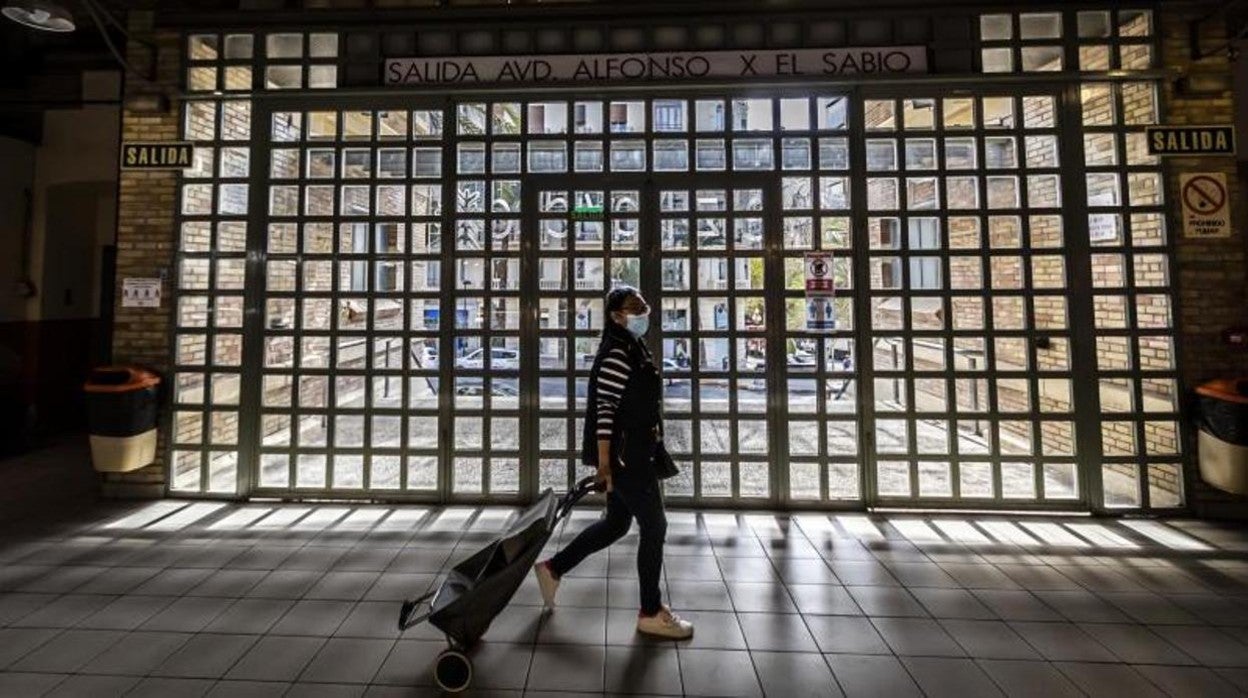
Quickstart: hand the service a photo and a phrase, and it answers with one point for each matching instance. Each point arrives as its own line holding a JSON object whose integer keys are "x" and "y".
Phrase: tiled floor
{"x": 190, "y": 599}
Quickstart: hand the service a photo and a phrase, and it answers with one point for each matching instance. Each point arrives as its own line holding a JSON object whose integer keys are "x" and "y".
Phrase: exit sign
{"x": 1191, "y": 140}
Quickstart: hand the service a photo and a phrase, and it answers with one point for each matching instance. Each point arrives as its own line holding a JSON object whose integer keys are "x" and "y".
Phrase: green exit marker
{"x": 588, "y": 210}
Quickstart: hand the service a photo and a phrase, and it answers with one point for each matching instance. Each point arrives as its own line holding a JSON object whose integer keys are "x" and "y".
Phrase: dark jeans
{"x": 628, "y": 500}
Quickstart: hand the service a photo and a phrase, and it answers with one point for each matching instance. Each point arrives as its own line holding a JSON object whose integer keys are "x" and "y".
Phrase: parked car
{"x": 501, "y": 359}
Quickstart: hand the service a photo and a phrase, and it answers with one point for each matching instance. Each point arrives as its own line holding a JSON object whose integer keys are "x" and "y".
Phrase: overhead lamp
{"x": 39, "y": 14}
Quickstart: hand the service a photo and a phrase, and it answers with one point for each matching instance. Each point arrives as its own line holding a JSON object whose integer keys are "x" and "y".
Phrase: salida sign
{"x": 655, "y": 66}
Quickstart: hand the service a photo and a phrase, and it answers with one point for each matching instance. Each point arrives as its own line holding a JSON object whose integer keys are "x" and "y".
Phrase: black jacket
{"x": 639, "y": 415}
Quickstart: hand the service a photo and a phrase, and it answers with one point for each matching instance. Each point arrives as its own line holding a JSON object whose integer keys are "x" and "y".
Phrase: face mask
{"x": 637, "y": 324}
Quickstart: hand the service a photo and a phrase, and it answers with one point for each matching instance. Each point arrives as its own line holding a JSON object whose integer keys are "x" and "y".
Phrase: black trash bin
{"x": 1222, "y": 407}
{"x": 122, "y": 409}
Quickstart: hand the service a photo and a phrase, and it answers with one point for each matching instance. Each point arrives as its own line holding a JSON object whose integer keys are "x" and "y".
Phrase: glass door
{"x": 968, "y": 326}
{"x": 586, "y": 237}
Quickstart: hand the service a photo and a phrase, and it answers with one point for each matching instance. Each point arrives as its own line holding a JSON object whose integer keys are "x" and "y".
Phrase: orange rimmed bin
{"x": 1222, "y": 442}
{"x": 123, "y": 405}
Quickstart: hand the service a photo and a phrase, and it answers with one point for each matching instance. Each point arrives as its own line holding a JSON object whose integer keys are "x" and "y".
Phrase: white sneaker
{"x": 665, "y": 624}
{"x": 547, "y": 583}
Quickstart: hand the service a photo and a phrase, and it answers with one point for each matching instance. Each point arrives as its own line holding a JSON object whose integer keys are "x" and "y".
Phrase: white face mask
{"x": 637, "y": 324}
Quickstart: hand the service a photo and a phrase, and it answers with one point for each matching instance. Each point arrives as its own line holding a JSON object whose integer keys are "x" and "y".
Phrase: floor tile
{"x": 189, "y": 614}
{"x": 518, "y": 624}
{"x": 952, "y": 603}
{"x": 989, "y": 639}
{"x": 62, "y": 579}
{"x": 118, "y": 580}
{"x": 886, "y": 601}
{"x": 643, "y": 669}
{"x": 347, "y": 660}
{"x": 1082, "y": 607}
{"x": 1238, "y": 677}
{"x": 581, "y": 592}
{"x": 581, "y": 626}
{"x": 16, "y": 642}
{"x": 67, "y": 652}
{"x": 311, "y": 617}
{"x": 276, "y": 658}
{"x": 917, "y": 636}
{"x": 1016, "y": 605}
{"x": 398, "y": 587}
{"x": 28, "y": 684}
{"x": 374, "y": 619}
{"x": 1147, "y": 607}
{"x": 687, "y": 595}
{"x": 89, "y": 686}
{"x": 231, "y": 583}
{"x": 1038, "y": 578}
{"x": 776, "y": 632}
{"x": 861, "y": 675}
{"x": 173, "y": 582}
{"x": 342, "y": 585}
{"x": 689, "y": 568}
{"x": 206, "y": 656}
{"x": 164, "y": 688}
{"x": 795, "y": 675}
{"x": 285, "y": 584}
{"x": 823, "y": 599}
{"x": 922, "y": 574}
{"x": 136, "y": 654}
{"x": 1023, "y": 679}
{"x": 862, "y": 573}
{"x": 251, "y": 616}
{"x": 1136, "y": 644}
{"x": 718, "y": 673}
{"x": 64, "y": 612}
{"x": 1108, "y": 680}
{"x": 126, "y": 613}
{"x": 804, "y": 571}
{"x": 1209, "y": 646}
{"x": 325, "y": 690}
{"x": 980, "y": 576}
{"x": 746, "y": 569}
{"x": 409, "y": 663}
{"x": 1187, "y": 682}
{"x": 247, "y": 689}
{"x": 14, "y": 605}
{"x": 1063, "y": 642}
{"x": 946, "y": 677}
{"x": 846, "y": 634}
{"x": 761, "y": 597}
{"x": 567, "y": 668}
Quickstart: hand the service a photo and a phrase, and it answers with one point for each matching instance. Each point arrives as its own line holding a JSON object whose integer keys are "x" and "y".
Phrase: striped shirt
{"x": 612, "y": 377}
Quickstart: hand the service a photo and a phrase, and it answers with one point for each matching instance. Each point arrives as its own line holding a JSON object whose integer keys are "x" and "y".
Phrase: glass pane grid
{"x": 962, "y": 193}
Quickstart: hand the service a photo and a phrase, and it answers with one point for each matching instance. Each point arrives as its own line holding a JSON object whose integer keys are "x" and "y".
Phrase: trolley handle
{"x": 578, "y": 492}
{"x": 406, "y": 619}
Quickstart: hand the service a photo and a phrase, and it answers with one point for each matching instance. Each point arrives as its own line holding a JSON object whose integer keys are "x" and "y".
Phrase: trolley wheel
{"x": 452, "y": 671}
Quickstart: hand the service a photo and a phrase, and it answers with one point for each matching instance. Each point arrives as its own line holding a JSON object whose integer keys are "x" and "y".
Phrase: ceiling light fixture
{"x": 39, "y": 14}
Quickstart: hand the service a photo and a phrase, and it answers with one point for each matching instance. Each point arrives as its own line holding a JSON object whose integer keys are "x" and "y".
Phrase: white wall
{"x": 79, "y": 147}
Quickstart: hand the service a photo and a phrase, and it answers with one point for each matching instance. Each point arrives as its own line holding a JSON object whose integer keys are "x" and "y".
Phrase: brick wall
{"x": 145, "y": 242}
{"x": 1211, "y": 272}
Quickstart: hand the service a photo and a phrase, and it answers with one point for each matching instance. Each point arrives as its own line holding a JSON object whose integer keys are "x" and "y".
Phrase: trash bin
{"x": 1222, "y": 442}
{"x": 122, "y": 406}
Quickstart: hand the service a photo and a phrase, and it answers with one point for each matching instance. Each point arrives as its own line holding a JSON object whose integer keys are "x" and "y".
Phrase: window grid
{"x": 213, "y": 205}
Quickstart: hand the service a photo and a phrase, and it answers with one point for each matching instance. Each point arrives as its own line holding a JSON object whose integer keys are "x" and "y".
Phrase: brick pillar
{"x": 1210, "y": 272}
{"x": 146, "y": 237}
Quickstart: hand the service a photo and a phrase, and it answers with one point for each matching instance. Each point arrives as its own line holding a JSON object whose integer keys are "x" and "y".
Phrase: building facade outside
{"x": 386, "y": 266}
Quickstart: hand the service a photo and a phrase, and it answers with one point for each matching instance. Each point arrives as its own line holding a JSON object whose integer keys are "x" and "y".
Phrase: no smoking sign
{"x": 1206, "y": 205}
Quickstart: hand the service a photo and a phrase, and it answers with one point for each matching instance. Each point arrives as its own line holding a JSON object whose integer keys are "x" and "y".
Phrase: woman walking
{"x": 622, "y": 436}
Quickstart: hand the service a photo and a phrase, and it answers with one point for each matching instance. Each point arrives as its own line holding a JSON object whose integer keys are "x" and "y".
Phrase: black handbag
{"x": 664, "y": 465}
